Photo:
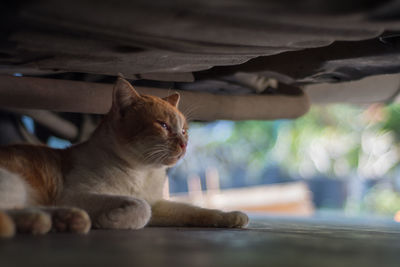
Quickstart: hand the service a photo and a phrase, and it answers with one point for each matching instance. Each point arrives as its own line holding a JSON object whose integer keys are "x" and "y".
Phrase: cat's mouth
{"x": 179, "y": 156}
{"x": 179, "y": 153}
{"x": 172, "y": 159}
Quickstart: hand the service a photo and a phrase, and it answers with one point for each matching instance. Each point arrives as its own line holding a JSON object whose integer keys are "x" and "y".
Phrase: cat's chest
{"x": 146, "y": 184}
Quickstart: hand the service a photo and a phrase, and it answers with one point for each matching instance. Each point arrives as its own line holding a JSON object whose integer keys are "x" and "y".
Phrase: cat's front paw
{"x": 70, "y": 219}
{"x": 30, "y": 220}
{"x": 129, "y": 214}
{"x": 235, "y": 219}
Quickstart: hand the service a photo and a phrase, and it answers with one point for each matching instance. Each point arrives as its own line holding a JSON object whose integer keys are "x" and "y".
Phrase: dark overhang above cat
{"x": 221, "y": 47}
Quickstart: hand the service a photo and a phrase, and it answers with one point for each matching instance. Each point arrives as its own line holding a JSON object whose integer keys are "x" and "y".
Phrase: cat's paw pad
{"x": 31, "y": 221}
{"x": 132, "y": 214}
{"x": 70, "y": 220}
{"x": 7, "y": 226}
{"x": 236, "y": 219}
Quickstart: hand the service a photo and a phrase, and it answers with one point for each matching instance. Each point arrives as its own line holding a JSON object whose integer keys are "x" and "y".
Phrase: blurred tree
{"x": 334, "y": 141}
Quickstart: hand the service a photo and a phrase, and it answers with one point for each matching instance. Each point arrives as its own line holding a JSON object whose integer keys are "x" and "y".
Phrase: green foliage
{"x": 392, "y": 121}
{"x": 382, "y": 200}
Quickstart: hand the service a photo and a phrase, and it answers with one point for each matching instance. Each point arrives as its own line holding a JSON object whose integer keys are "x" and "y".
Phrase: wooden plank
{"x": 73, "y": 96}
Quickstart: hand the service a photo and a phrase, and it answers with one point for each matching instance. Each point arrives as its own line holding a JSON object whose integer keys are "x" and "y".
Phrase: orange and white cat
{"x": 114, "y": 180}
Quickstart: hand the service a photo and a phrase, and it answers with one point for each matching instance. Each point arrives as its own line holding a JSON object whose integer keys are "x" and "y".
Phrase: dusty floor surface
{"x": 269, "y": 241}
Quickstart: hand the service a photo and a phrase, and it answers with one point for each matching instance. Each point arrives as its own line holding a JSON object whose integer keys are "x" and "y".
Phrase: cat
{"x": 114, "y": 180}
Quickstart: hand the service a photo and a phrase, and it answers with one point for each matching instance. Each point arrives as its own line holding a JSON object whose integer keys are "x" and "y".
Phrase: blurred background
{"x": 337, "y": 158}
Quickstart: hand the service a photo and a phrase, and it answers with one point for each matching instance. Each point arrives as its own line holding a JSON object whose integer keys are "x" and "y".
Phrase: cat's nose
{"x": 182, "y": 145}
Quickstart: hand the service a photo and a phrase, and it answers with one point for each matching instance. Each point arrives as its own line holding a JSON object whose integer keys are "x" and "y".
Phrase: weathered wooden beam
{"x": 62, "y": 127}
{"x": 378, "y": 88}
{"x": 85, "y": 97}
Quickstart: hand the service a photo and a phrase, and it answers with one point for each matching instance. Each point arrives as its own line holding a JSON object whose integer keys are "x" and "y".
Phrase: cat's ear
{"x": 124, "y": 95}
{"x": 173, "y": 99}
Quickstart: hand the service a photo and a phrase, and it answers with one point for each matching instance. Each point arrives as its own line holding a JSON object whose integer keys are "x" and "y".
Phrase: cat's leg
{"x": 14, "y": 216}
{"x": 111, "y": 211}
{"x": 19, "y": 215}
{"x": 30, "y": 220}
{"x": 68, "y": 219}
{"x": 168, "y": 213}
{"x": 40, "y": 220}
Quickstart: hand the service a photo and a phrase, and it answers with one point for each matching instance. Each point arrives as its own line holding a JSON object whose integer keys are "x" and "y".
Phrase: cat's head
{"x": 150, "y": 128}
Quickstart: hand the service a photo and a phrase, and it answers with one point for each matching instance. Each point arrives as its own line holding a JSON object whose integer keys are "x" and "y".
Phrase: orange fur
{"x": 41, "y": 167}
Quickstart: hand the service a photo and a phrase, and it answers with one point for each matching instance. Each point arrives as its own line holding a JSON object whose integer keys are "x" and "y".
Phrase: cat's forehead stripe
{"x": 176, "y": 119}
{"x": 179, "y": 120}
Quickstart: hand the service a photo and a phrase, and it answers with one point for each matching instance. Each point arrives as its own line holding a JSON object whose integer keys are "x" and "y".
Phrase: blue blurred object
{"x": 29, "y": 124}
{"x": 55, "y": 142}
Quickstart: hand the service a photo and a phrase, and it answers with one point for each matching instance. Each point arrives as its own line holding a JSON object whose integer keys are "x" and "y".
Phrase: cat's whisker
{"x": 189, "y": 111}
{"x": 153, "y": 154}
{"x": 189, "y": 108}
{"x": 157, "y": 151}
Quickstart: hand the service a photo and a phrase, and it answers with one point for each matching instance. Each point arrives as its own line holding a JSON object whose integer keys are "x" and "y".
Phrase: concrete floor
{"x": 270, "y": 241}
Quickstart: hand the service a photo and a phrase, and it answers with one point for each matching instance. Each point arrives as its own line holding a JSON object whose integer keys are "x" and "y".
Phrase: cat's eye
{"x": 183, "y": 131}
{"x": 164, "y": 125}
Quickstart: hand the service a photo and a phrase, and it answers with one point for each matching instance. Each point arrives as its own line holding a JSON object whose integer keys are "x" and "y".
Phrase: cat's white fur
{"x": 14, "y": 190}
{"x": 99, "y": 170}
